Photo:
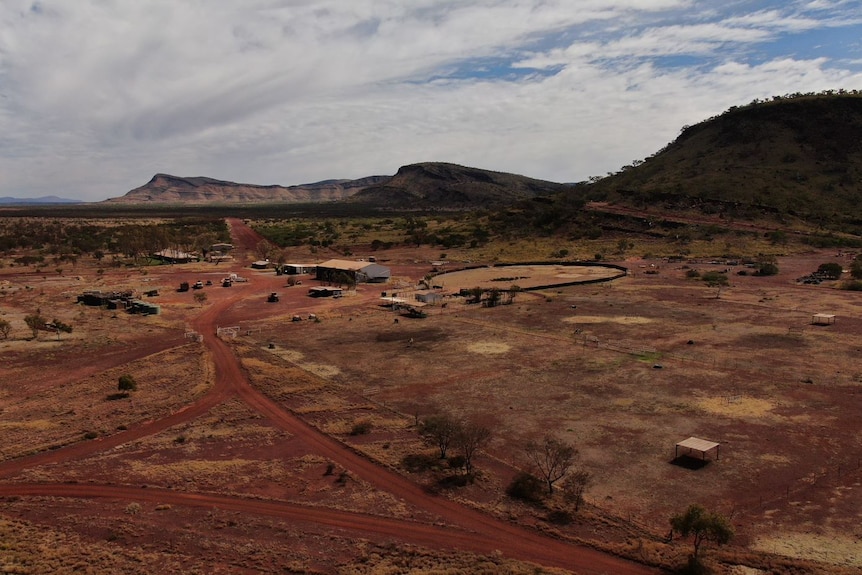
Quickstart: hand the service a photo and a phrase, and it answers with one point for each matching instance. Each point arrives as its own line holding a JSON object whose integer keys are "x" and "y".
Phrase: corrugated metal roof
{"x": 698, "y": 444}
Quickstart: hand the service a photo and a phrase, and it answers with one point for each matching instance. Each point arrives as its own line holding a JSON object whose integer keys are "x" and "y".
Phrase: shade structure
{"x": 701, "y": 446}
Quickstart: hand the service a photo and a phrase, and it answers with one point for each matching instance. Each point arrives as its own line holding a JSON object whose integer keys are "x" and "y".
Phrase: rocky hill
{"x": 442, "y": 185}
{"x": 428, "y": 185}
{"x": 791, "y": 157}
{"x": 167, "y": 189}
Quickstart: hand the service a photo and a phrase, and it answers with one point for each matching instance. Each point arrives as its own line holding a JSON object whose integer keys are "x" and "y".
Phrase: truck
{"x": 184, "y": 286}
{"x": 273, "y": 297}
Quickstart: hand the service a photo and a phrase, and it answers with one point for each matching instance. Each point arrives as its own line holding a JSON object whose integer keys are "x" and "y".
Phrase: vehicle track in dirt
{"x": 476, "y": 531}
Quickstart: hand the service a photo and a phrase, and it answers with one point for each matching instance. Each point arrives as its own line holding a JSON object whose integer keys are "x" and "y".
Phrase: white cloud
{"x": 97, "y": 95}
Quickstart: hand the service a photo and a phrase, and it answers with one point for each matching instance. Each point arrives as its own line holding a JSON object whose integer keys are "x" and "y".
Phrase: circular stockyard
{"x": 528, "y": 276}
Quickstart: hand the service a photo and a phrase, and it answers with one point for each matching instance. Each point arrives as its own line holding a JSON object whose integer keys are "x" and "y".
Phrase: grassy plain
{"x": 621, "y": 370}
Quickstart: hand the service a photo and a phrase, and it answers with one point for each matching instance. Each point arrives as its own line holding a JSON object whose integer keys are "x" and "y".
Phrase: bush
{"x": 692, "y": 273}
{"x": 361, "y": 428}
{"x": 127, "y": 383}
{"x": 766, "y": 269}
{"x": 560, "y": 517}
{"x": 418, "y": 462}
{"x": 831, "y": 270}
{"x": 853, "y": 285}
{"x": 526, "y": 487}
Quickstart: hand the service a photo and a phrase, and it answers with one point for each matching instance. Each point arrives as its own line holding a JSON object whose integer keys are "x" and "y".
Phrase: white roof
{"x": 392, "y": 299}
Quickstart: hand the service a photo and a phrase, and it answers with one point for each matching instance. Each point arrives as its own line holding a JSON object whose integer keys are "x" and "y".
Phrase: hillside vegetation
{"x": 796, "y": 157}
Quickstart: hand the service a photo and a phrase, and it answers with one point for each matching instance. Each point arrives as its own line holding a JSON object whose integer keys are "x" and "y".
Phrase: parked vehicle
{"x": 198, "y": 285}
{"x": 184, "y": 286}
{"x": 273, "y": 297}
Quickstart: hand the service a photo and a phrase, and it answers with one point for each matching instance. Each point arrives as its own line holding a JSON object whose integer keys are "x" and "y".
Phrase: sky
{"x": 97, "y": 96}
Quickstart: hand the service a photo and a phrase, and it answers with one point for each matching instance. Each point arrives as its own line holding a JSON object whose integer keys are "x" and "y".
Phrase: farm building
{"x": 298, "y": 269}
{"x": 325, "y": 292}
{"x": 430, "y": 297}
{"x": 359, "y": 272}
{"x": 219, "y": 252}
{"x": 175, "y": 256}
{"x": 260, "y": 265}
{"x": 100, "y": 298}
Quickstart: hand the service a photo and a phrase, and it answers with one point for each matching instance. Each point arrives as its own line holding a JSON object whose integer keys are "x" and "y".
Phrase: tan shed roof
{"x": 697, "y": 444}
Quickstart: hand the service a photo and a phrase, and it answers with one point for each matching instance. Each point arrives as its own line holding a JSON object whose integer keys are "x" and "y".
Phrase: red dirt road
{"x": 466, "y": 529}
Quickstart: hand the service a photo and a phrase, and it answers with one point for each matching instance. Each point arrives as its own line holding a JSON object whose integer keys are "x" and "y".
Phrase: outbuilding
{"x": 323, "y": 291}
{"x": 175, "y": 256}
{"x": 357, "y": 271}
{"x": 697, "y": 445}
{"x": 823, "y": 319}
{"x": 298, "y": 269}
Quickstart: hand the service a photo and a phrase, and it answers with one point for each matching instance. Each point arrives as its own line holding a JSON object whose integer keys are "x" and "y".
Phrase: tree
{"x": 703, "y": 525}
{"x": 552, "y": 457}
{"x": 575, "y": 486}
{"x": 35, "y": 322}
{"x": 715, "y": 279}
{"x": 5, "y": 328}
{"x": 439, "y": 430}
{"x": 61, "y": 327}
{"x": 831, "y": 270}
{"x": 200, "y": 297}
{"x": 264, "y": 249}
{"x": 769, "y": 268}
{"x": 470, "y": 438}
{"x": 856, "y": 268}
{"x": 127, "y": 383}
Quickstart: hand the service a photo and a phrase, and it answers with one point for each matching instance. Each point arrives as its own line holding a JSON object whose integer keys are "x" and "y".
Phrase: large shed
{"x": 359, "y": 271}
{"x": 173, "y": 256}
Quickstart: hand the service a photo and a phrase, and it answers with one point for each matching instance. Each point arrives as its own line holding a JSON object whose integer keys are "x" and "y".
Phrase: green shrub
{"x": 127, "y": 383}
{"x": 853, "y": 285}
{"x": 526, "y": 487}
{"x": 362, "y": 427}
{"x": 766, "y": 269}
{"x": 831, "y": 270}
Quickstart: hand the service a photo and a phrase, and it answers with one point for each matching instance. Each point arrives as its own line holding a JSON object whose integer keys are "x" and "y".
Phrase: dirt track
{"x": 475, "y": 531}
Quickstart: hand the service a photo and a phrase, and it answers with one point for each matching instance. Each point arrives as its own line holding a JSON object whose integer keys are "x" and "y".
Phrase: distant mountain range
{"x": 427, "y": 185}
{"x": 44, "y": 200}
{"x": 167, "y": 189}
{"x": 790, "y": 157}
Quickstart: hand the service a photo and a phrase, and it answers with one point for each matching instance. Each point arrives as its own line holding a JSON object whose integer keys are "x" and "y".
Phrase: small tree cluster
{"x": 35, "y": 322}
{"x": 552, "y": 459}
{"x": 467, "y": 435}
{"x": 5, "y": 328}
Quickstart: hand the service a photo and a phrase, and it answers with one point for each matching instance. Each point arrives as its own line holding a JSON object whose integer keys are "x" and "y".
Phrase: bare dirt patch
{"x": 488, "y": 347}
